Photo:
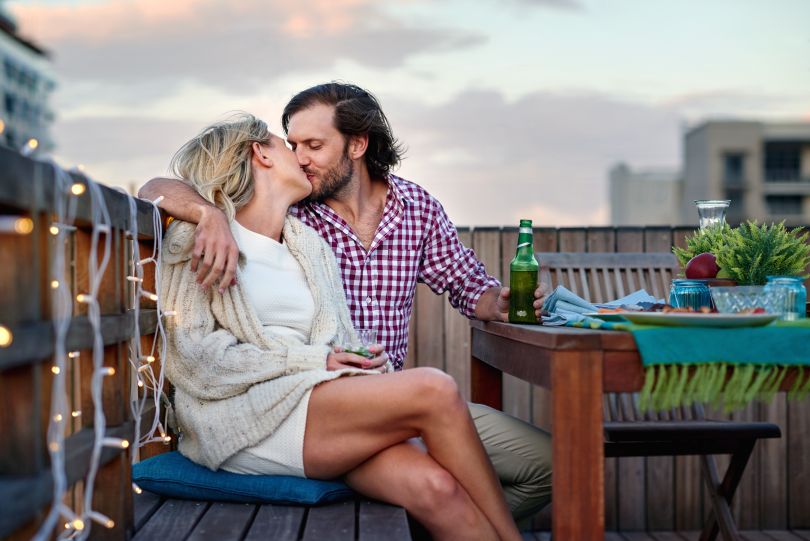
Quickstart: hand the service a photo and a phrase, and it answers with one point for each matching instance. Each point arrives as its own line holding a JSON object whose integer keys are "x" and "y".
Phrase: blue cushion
{"x": 175, "y": 476}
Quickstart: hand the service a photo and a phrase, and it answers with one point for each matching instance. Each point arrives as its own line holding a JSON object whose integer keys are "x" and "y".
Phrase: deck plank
{"x": 637, "y": 536}
{"x": 144, "y": 506}
{"x": 666, "y": 536}
{"x": 382, "y": 522}
{"x": 782, "y": 535}
{"x": 755, "y": 535}
{"x": 277, "y": 522}
{"x": 224, "y": 522}
{"x": 804, "y": 534}
{"x": 334, "y": 522}
{"x": 174, "y": 520}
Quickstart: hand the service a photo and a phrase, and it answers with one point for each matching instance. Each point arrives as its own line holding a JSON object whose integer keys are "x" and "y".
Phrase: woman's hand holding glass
{"x": 364, "y": 353}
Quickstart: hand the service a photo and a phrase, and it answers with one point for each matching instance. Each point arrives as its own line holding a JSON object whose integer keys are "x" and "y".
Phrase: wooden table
{"x": 578, "y": 365}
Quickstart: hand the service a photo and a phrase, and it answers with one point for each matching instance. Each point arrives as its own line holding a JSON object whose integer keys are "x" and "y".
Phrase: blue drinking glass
{"x": 693, "y": 294}
{"x": 795, "y": 295}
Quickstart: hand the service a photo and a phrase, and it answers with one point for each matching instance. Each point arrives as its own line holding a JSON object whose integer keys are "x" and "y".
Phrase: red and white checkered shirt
{"x": 415, "y": 242}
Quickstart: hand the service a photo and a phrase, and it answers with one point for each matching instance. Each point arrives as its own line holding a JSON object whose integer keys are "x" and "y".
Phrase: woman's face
{"x": 286, "y": 171}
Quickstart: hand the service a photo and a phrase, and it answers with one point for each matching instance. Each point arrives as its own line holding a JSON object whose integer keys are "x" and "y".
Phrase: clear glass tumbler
{"x": 365, "y": 338}
{"x": 711, "y": 212}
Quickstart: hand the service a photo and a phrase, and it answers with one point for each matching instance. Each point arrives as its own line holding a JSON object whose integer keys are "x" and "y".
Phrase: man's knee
{"x": 521, "y": 455}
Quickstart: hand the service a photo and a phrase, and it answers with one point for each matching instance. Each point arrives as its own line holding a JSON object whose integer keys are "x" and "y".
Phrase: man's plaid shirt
{"x": 415, "y": 242}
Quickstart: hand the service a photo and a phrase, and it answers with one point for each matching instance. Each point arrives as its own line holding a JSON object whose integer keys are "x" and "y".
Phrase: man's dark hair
{"x": 357, "y": 112}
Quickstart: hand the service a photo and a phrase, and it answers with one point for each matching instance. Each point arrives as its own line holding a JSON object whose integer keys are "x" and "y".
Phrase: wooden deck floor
{"x": 357, "y": 520}
{"x": 360, "y": 520}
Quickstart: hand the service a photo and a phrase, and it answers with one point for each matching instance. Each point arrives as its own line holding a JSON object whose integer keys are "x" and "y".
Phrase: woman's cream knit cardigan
{"x": 234, "y": 381}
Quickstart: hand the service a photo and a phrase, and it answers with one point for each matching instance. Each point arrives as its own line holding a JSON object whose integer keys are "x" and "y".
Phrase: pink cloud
{"x": 238, "y": 46}
{"x": 112, "y": 21}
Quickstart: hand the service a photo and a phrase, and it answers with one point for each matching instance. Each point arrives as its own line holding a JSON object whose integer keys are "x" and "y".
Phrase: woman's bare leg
{"x": 352, "y": 419}
{"x": 406, "y": 475}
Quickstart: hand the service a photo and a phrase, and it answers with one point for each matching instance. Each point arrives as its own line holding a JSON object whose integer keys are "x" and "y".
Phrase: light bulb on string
{"x": 77, "y": 188}
{"x": 149, "y": 295}
{"x": 115, "y": 442}
{"x": 104, "y": 520}
{"x": 6, "y": 336}
{"x": 29, "y": 147}
{"x": 20, "y": 225}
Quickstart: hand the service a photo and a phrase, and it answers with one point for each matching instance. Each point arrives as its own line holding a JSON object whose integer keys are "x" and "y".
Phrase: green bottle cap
{"x": 525, "y": 223}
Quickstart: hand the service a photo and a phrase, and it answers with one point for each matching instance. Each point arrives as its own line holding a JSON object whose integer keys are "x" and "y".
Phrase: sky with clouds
{"x": 508, "y": 108}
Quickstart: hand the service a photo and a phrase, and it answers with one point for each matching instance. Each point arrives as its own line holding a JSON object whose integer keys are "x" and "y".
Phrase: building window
{"x": 782, "y": 162}
{"x": 733, "y": 168}
{"x": 784, "y": 205}
{"x": 10, "y": 103}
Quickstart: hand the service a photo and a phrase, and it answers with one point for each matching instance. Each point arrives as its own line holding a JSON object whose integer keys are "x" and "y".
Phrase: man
{"x": 387, "y": 234}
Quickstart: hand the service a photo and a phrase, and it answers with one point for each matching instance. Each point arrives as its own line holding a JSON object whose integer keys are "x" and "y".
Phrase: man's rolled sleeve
{"x": 450, "y": 266}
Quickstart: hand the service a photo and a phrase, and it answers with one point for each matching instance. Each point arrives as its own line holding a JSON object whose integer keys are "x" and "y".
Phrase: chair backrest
{"x": 605, "y": 276}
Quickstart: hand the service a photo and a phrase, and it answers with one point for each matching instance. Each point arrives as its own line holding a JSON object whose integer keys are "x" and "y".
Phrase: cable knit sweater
{"x": 234, "y": 381}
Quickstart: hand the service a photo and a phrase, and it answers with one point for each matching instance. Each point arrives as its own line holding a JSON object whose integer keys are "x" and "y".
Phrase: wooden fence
{"x": 26, "y": 363}
{"x": 656, "y": 493}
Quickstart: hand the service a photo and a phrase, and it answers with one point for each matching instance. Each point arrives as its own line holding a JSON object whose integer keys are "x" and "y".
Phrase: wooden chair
{"x": 600, "y": 277}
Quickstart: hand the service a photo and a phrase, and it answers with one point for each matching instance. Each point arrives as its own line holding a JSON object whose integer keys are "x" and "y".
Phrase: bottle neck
{"x": 525, "y": 243}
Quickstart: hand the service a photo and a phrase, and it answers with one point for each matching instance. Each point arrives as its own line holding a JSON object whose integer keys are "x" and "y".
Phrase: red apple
{"x": 702, "y": 266}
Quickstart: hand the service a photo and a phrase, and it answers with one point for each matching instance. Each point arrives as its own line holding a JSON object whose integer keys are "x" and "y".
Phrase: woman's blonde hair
{"x": 217, "y": 162}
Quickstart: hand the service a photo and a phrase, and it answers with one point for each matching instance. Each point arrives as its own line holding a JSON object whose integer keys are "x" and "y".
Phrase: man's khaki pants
{"x": 521, "y": 454}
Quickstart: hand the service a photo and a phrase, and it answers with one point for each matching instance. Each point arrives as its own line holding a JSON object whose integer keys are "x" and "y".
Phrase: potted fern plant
{"x": 751, "y": 252}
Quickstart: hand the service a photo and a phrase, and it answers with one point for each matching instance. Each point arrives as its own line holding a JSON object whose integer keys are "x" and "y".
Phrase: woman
{"x": 259, "y": 371}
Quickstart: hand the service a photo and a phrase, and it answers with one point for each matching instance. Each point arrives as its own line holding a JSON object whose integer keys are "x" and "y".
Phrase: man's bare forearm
{"x": 179, "y": 199}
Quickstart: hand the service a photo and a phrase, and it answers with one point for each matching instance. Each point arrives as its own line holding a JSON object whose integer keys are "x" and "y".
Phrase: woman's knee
{"x": 434, "y": 488}
{"x": 436, "y": 388}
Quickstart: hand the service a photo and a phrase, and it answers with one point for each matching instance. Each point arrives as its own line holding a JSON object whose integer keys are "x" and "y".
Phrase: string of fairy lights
{"x": 148, "y": 378}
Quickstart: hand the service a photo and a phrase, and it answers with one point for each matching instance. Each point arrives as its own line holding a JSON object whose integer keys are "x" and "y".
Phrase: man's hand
{"x": 216, "y": 253}
{"x": 502, "y": 305}
{"x": 540, "y": 294}
{"x": 339, "y": 359}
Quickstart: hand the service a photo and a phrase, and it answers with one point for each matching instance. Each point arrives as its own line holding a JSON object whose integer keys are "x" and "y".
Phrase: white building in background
{"x": 644, "y": 196}
{"x": 26, "y": 84}
{"x": 762, "y": 167}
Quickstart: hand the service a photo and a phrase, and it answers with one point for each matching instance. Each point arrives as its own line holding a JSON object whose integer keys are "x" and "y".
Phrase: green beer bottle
{"x": 523, "y": 278}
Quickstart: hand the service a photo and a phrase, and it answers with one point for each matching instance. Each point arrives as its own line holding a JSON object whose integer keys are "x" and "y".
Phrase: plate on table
{"x": 696, "y": 319}
{"x": 607, "y": 316}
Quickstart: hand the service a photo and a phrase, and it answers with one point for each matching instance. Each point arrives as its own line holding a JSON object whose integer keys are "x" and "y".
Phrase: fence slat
{"x": 457, "y": 338}
{"x": 798, "y": 443}
{"x": 774, "y": 460}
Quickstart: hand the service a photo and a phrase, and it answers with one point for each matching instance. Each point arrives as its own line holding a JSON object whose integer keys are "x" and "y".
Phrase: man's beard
{"x": 333, "y": 181}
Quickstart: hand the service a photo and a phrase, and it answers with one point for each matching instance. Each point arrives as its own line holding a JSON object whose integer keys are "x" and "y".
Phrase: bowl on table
{"x": 746, "y": 299}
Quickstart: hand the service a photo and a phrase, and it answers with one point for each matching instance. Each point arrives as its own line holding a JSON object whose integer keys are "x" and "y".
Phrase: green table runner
{"x": 758, "y": 357}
